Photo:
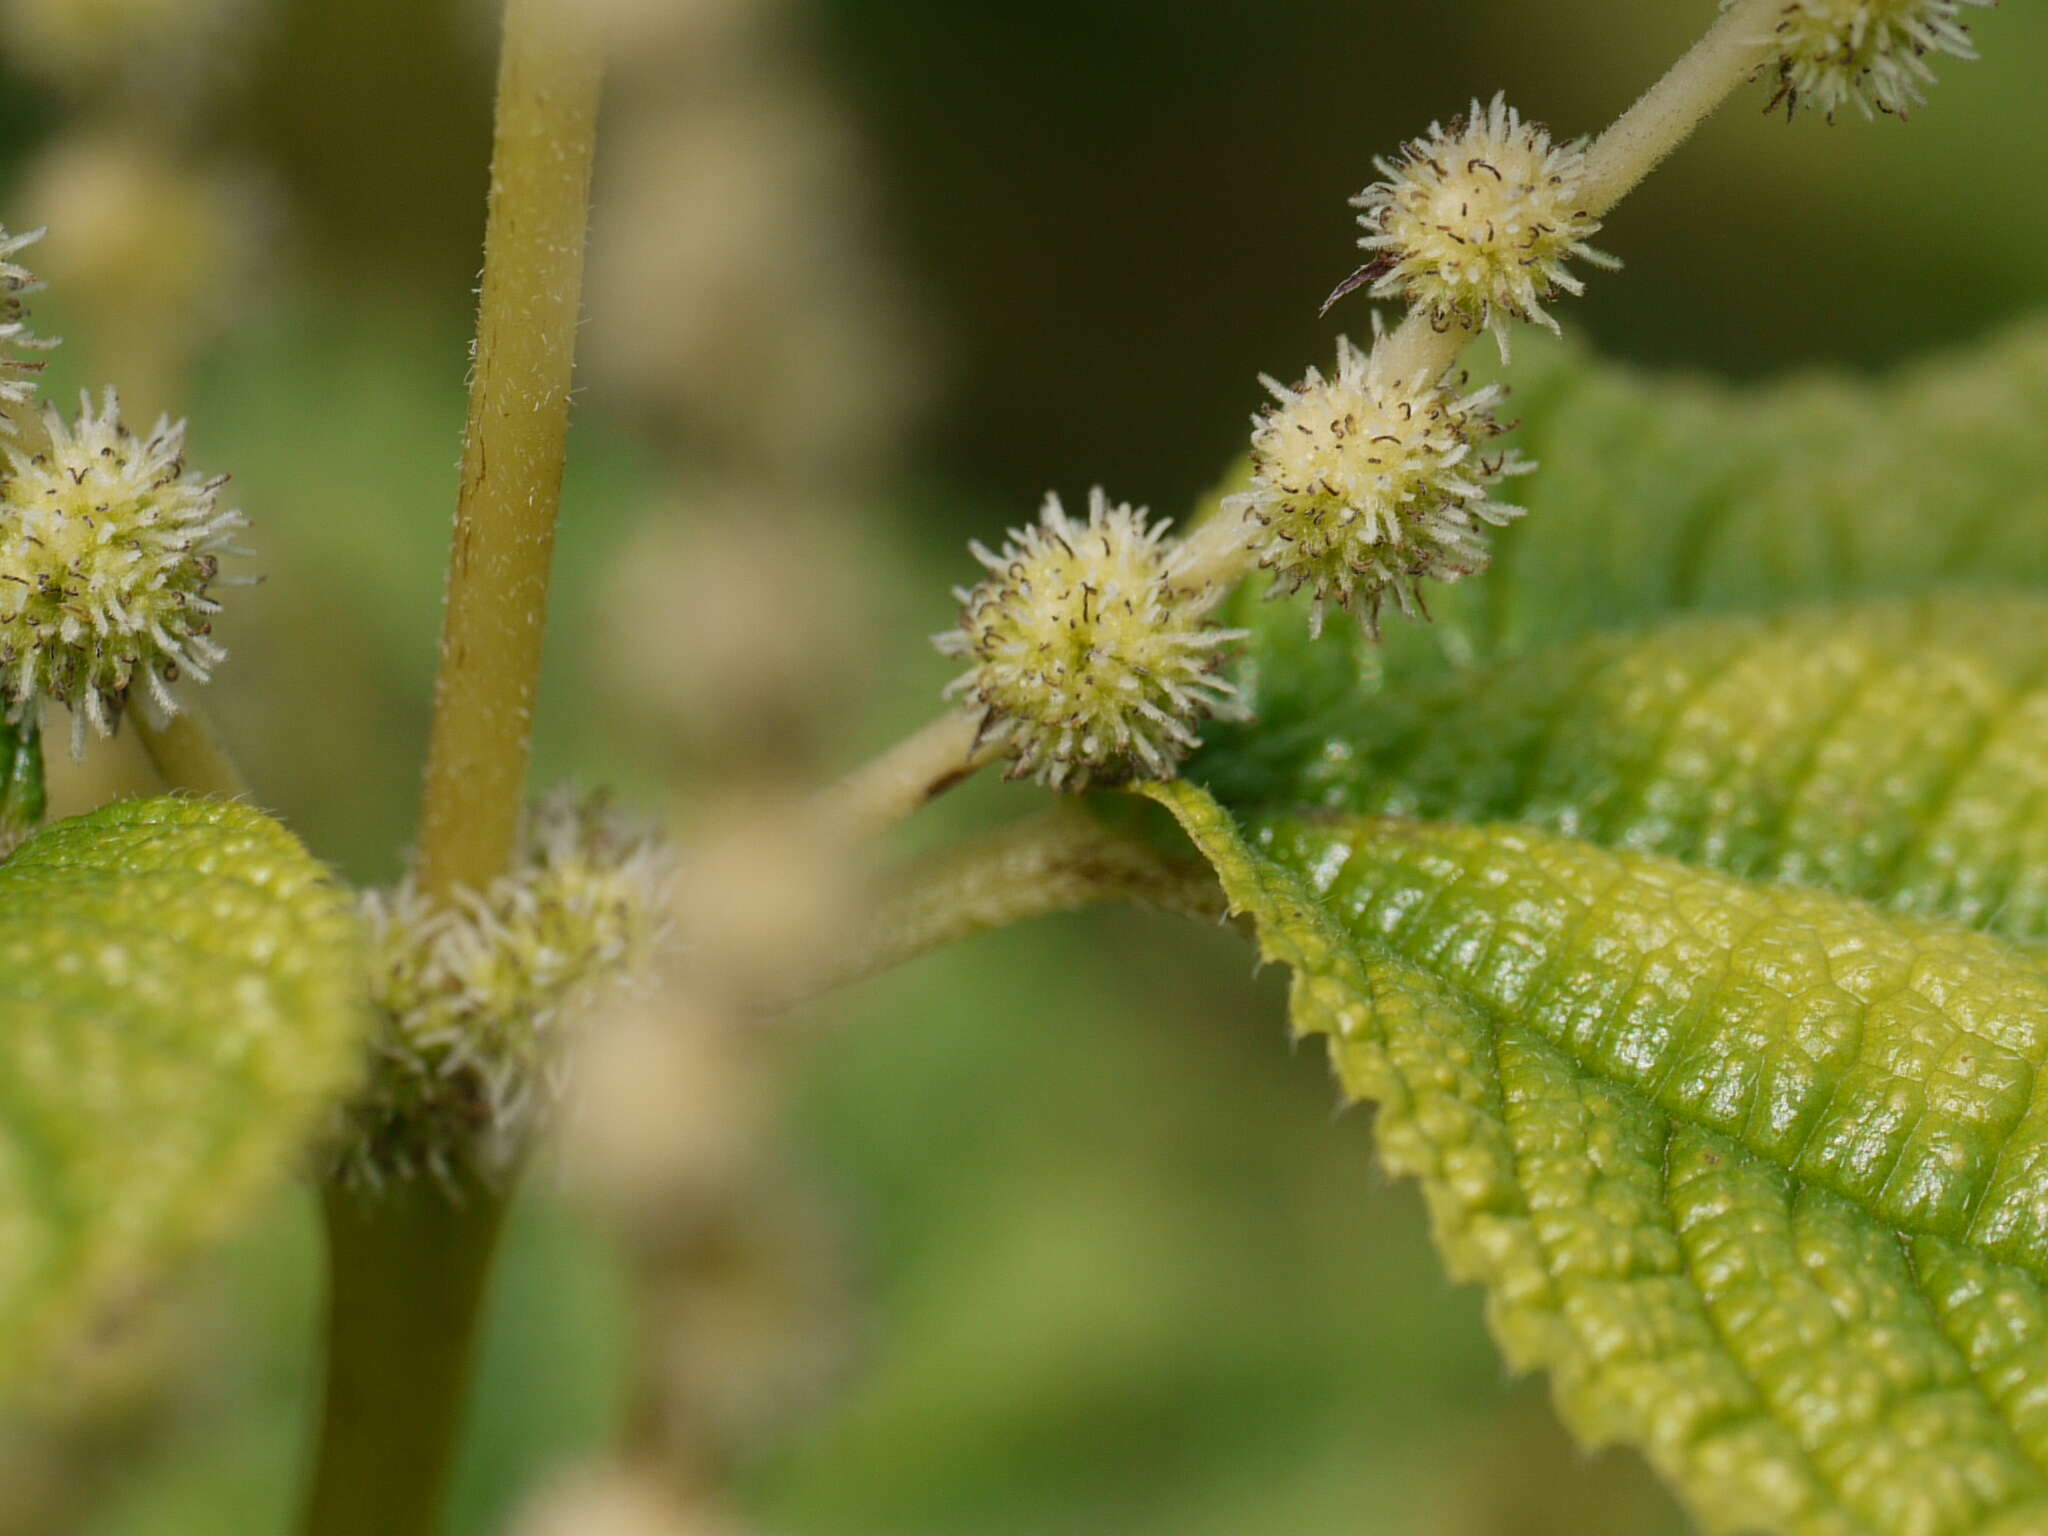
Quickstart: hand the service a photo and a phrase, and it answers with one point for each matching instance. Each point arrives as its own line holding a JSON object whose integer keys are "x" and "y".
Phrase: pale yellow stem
{"x": 1740, "y": 42}
{"x": 190, "y": 756}
{"x": 25, "y": 433}
{"x": 1418, "y": 349}
{"x": 513, "y": 450}
{"x": 409, "y": 1266}
{"x": 1214, "y": 557}
{"x": 114, "y": 768}
{"x": 882, "y": 792}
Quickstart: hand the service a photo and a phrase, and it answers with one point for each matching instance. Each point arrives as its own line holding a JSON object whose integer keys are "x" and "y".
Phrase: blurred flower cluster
{"x": 743, "y": 312}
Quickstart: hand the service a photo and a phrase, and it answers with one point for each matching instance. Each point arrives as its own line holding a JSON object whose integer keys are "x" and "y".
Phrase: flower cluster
{"x": 109, "y": 549}
{"x": 159, "y": 49}
{"x": 1869, "y": 52}
{"x": 1087, "y": 654}
{"x": 1364, "y": 486}
{"x": 480, "y": 997}
{"x": 1474, "y": 223}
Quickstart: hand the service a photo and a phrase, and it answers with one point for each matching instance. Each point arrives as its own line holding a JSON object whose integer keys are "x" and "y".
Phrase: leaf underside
{"x": 179, "y": 1007}
{"x": 1679, "y": 901}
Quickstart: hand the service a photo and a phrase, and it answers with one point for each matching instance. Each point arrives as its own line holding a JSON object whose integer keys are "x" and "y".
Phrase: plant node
{"x": 480, "y": 997}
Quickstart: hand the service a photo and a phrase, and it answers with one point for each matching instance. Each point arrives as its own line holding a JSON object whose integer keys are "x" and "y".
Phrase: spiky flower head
{"x": 109, "y": 551}
{"x": 1474, "y": 223}
{"x": 1365, "y": 486}
{"x": 17, "y": 382}
{"x": 1869, "y": 52}
{"x": 1087, "y": 657}
{"x": 479, "y": 998}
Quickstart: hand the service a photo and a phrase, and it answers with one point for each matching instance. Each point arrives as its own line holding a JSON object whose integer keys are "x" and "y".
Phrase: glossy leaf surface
{"x": 1754, "y": 1172}
{"x": 1678, "y": 900}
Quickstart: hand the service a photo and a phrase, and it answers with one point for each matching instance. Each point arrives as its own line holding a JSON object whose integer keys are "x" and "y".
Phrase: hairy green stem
{"x": 1738, "y": 44}
{"x": 514, "y": 447}
{"x": 407, "y": 1267}
{"x": 1059, "y": 861}
{"x": 406, "y": 1270}
{"x": 917, "y": 770}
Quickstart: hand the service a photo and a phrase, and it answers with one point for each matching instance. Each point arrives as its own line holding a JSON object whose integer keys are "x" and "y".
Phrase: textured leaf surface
{"x": 179, "y": 1005}
{"x": 1893, "y": 750}
{"x": 1679, "y": 898}
{"x": 1756, "y": 1172}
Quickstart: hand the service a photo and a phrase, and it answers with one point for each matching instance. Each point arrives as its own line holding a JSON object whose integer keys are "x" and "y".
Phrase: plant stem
{"x": 406, "y": 1271}
{"x": 1416, "y": 349}
{"x": 189, "y": 754}
{"x": 513, "y": 450}
{"x": 1732, "y": 50}
{"x": 918, "y": 769}
{"x": 1059, "y": 861}
{"x": 1738, "y": 44}
{"x": 1214, "y": 557}
{"x": 407, "y": 1265}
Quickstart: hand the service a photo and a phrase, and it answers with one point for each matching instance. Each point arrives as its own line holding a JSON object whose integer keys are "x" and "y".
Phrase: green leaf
{"x": 1894, "y": 750}
{"x": 1660, "y": 495}
{"x": 1755, "y": 1171}
{"x": 180, "y": 1005}
{"x": 1680, "y": 898}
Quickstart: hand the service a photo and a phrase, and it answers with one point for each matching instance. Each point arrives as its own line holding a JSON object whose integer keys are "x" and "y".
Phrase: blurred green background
{"x": 1116, "y": 1266}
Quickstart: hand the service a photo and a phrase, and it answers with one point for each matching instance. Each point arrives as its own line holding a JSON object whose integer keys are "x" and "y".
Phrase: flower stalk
{"x": 1739, "y": 43}
{"x": 1733, "y": 49}
{"x": 918, "y": 769}
{"x": 1473, "y": 225}
{"x": 1061, "y": 860}
{"x": 408, "y": 1265}
{"x": 513, "y": 449}
{"x": 188, "y": 752}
